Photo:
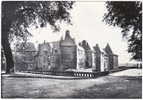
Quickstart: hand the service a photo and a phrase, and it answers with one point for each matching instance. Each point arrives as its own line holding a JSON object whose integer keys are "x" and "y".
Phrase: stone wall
{"x": 80, "y": 58}
{"x": 68, "y": 57}
{"x": 88, "y": 62}
{"x": 115, "y": 61}
{"x": 63, "y": 55}
{"x": 98, "y": 62}
{"x": 110, "y": 64}
{"x": 43, "y": 57}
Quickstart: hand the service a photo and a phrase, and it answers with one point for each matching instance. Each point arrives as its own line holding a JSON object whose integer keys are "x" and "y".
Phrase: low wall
{"x": 75, "y": 74}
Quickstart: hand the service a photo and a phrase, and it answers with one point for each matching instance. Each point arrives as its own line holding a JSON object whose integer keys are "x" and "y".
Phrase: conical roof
{"x": 68, "y": 40}
{"x": 67, "y": 35}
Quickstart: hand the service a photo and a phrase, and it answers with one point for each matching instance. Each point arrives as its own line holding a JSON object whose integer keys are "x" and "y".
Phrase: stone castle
{"x": 66, "y": 55}
{"x": 59, "y": 55}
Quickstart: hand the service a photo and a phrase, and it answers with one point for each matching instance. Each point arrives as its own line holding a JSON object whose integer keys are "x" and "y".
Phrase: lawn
{"x": 103, "y": 87}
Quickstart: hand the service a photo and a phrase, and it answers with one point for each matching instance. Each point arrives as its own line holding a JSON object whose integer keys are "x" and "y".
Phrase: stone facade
{"x": 65, "y": 55}
{"x": 81, "y": 57}
{"x": 57, "y": 56}
{"x": 24, "y": 57}
{"x": 68, "y": 52}
{"x": 113, "y": 58}
{"x": 42, "y": 59}
{"x": 88, "y": 62}
{"x": 101, "y": 59}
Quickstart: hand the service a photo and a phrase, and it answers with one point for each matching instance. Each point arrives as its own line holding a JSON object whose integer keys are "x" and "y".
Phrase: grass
{"x": 124, "y": 87}
{"x": 103, "y": 87}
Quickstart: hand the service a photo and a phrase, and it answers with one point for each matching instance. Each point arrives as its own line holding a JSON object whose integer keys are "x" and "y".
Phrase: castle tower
{"x": 108, "y": 49}
{"x": 110, "y": 55}
{"x": 97, "y": 57}
{"x": 113, "y": 58}
{"x": 68, "y": 52}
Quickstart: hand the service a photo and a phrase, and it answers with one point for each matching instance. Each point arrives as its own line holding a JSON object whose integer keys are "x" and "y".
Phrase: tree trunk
{"x": 8, "y": 55}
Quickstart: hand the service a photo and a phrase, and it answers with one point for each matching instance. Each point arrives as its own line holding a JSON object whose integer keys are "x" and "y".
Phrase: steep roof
{"x": 97, "y": 48}
{"x": 68, "y": 40}
{"x": 108, "y": 49}
{"x": 85, "y": 45}
{"x": 67, "y": 35}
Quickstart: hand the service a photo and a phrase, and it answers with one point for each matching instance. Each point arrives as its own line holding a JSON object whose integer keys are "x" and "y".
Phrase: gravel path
{"x": 129, "y": 72}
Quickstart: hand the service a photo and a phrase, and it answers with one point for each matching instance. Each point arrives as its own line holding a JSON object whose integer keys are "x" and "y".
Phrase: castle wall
{"x": 43, "y": 59}
{"x": 104, "y": 63}
{"x": 80, "y": 58}
{"x": 115, "y": 61}
{"x": 88, "y": 63}
{"x": 101, "y": 60}
{"x": 68, "y": 57}
{"x": 101, "y": 63}
{"x": 98, "y": 62}
{"x": 56, "y": 62}
{"x": 93, "y": 61}
{"x": 65, "y": 54}
{"x": 111, "y": 62}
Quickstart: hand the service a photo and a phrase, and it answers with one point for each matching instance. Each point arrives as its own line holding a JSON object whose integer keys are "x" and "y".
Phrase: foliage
{"x": 28, "y": 49}
{"x": 23, "y": 14}
{"x": 128, "y": 16}
{"x": 17, "y": 16}
{"x": 28, "y": 46}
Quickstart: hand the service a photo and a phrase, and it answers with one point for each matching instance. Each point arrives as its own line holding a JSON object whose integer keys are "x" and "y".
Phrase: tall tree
{"x": 17, "y": 16}
{"x": 128, "y": 16}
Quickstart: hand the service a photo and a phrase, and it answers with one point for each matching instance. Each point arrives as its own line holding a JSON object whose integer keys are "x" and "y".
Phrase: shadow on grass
{"x": 113, "y": 90}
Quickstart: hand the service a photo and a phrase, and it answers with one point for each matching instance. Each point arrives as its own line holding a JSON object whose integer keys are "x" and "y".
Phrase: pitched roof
{"x": 67, "y": 35}
{"x": 108, "y": 49}
{"x": 97, "y": 48}
{"x": 68, "y": 40}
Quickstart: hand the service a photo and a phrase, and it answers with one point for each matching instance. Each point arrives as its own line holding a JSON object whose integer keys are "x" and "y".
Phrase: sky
{"x": 87, "y": 25}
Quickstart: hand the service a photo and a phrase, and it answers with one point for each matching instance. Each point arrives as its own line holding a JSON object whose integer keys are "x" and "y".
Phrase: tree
{"x": 128, "y": 16}
{"x": 17, "y": 16}
{"x": 28, "y": 46}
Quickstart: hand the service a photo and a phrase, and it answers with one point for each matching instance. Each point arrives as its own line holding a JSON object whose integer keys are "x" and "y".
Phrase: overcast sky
{"x": 88, "y": 25}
